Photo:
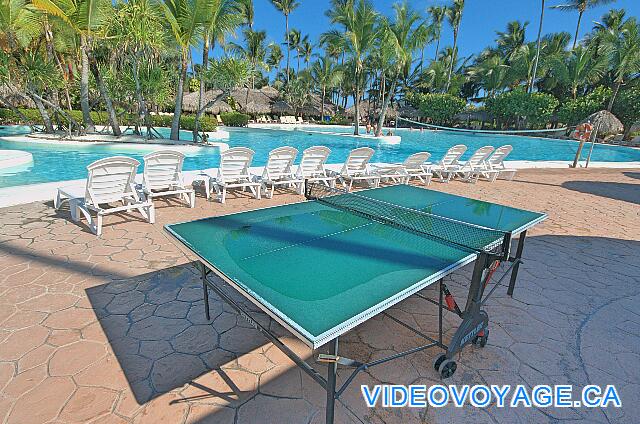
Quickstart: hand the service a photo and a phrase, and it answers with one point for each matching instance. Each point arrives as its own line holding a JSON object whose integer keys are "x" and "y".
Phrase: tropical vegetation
{"x": 81, "y": 63}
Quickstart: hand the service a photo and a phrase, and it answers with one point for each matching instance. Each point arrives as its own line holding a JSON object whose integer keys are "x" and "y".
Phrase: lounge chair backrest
{"x": 291, "y": 119}
{"x": 300, "y": 121}
{"x": 219, "y": 119}
{"x": 497, "y": 158}
{"x": 110, "y": 179}
{"x": 163, "y": 169}
{"x": 480, "y": 156}
{"x": 453, "y": 154}
{"x": 357, "y": 161}
{"x": 313, "y": 160}
{"x": 235, "y": 163}
{"x": 283, "y": 120}
{"x": 280, "y": 162}
{"x": 416, "y": 160}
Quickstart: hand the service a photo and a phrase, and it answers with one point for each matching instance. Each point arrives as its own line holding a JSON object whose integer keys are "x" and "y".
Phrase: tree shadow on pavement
{"x": 625, "y": 192}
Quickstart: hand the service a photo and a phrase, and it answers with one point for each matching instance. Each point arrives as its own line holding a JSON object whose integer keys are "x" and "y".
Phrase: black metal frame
{"x": 474, "y": 322}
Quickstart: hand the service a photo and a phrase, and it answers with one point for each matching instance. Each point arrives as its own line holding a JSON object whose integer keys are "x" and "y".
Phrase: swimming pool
{"x": 57, "y": 161}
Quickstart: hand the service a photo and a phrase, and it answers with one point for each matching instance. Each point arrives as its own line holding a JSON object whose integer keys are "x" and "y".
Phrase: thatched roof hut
{"x": 190, "y": 102}
{"x": 270, "y": 92}
{"x": 606, "y": 123}
{"x": 251, "y": 100}
{"x": 281, "y": 107}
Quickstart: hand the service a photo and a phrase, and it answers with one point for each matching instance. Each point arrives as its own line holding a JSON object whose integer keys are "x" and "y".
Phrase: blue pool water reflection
{"x": 56, "y": 162}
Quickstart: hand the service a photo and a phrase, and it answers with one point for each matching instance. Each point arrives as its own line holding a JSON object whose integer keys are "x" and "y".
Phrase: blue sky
{"x": 480, "y": 21}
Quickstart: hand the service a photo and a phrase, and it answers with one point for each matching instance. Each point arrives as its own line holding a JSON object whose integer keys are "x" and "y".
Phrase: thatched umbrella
{"x": 364, "y": 109}
{"x": 270, "y": 92}
{"x": 281, "y": 107}
{"x": 251, "y": 100}
{"x": 190, "y": 102}
{"x": 606, "y": 123}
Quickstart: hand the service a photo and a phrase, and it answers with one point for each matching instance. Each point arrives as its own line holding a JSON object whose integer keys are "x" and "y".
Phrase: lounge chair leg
{"x": 192, "y": 199}
{"x": 98, "y": 225}
{"x": 151, "y": 211}
{"x": 224, "y": 195}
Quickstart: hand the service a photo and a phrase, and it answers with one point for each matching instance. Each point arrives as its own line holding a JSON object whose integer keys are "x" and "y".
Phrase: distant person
{"x": 389, "y": 133}
{"x": 368, "y": 127}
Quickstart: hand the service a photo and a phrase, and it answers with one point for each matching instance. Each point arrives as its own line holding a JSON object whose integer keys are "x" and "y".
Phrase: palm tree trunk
{"x": 143, "y": 115}
{"x": 437, "y": 46}
{"x": 205, "y": 60}
{"x": 286, "y": 35}
{"x": 324, "y": 93}
{"x": 615, "y": 93}
{"x": 46, "y": 119}
{"x": 385, "y": 106}
{"x": 175, "y": 124}
{"x": 84, "y": 85}
{"x": 356, "y": 103}
{"x": 108, "y": 104}
{"x": 453, "y": 58}
{"x": 535, "y": 61}
{"x": 575, "y": 38}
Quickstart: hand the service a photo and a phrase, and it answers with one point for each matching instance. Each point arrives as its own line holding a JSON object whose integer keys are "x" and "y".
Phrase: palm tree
{"x": 510, "y": 41}
{"x": 359, "y": 37}
{"x": 247, "y": 12}
{"x": 306, "y": 50}
{"x": 437, "y": 14}
{"x": 490, "y": 72}
{"x": 535, "y": 62}
{"x": 86, "y": 18}
{"x": 400, "y": 37}
{"x": 581, "y": 6}
{"x": 286, "y": 7}
{"x": 275, "y": 56}
{"x": 186, "y": 18}
{"x": 293, "y": 43}
{"x": 223, "y": 17}
{"x": 253, "y": 51}
{"x": 137, "y": 31}
{"x": 454, "y": 16}
{"x": 326, "y": 74}
{"x": 581, "y": 67}
{"x": 624, "y": 48}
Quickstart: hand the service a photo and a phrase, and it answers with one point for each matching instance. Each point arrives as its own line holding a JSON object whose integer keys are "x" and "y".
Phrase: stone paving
{"x": 112, "y": 329}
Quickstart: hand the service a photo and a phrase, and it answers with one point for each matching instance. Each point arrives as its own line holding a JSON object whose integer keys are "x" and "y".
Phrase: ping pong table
{"x": 321, "y": 267}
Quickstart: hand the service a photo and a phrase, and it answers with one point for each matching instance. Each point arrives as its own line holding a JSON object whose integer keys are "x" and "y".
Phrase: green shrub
{"x": 535, "y": 108}
{"x": 234, "y": 119}
{"x": 627, "y": 108}
{"x": 187, "y": 121}
{"x": 574, "y": 111}
{"x": 439, "y": 108}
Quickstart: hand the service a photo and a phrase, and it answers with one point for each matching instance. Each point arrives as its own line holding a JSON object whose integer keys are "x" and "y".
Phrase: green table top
{"x": 320, "y": 271}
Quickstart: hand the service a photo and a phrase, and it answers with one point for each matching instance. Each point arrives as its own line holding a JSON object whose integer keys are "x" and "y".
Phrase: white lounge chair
{"x": 110, "y": 180}
{"x": 283, "y": 120}
{"x": 414, "y": 166}
{"x": 312, "y": 167}
{"x": 291, "y": 120}
{"x": 471, "y": 169}
{"x": 356, "y": 168}
{"x": 233, "y": 172}
{"x": 163, "y": 176}
{"x": 279, "y": 170}
{"x": 495, "y": 167}
{"x": 449, "y": 164}
{"x": 300, "y": 120}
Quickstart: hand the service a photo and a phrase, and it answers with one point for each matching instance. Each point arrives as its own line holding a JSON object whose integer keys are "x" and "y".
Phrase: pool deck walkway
{"x": 112, "y": 329}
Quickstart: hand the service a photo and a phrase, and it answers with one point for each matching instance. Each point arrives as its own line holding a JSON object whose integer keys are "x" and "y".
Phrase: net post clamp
{"x": 327, "y": 358}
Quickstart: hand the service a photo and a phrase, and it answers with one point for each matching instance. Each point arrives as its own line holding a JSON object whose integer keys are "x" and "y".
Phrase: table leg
{"x": 514, "y": 271}
{"x": 332, "y": 368}
{"x": 205, "y": 291}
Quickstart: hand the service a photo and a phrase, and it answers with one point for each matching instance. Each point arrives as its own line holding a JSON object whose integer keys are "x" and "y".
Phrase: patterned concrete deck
{"x": 112, "y": 329}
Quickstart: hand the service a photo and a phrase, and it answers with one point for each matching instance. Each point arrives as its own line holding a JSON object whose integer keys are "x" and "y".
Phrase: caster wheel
{"x": 481, "y": 340}
{"x": 447, "y": 368}
{"x": 439, "y": 359}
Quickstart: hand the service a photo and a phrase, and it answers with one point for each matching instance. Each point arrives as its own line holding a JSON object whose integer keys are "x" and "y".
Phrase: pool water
{"x": 59, "y": 162}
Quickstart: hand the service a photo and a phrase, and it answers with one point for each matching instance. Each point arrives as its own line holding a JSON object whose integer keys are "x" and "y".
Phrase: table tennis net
{"x": 461, "y": 234}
